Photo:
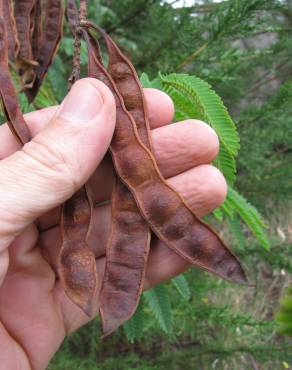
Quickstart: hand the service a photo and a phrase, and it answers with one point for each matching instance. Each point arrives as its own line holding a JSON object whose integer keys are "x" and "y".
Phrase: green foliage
{"x": 284, "y": 316}
{"x": 236, "y": 203}
{"x": 158, "y": 300}
{"x": 134, "y": 327}
{"x": 236, "y": 229}
{"x": 195, "y": 99}
{"x": 242, "y": 48}
{"x": 182, "y": 287}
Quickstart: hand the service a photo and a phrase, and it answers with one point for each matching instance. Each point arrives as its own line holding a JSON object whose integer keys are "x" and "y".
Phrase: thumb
{"x": 59, "y": 160}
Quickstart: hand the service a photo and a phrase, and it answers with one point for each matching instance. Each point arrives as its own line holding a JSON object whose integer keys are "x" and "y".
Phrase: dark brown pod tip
{"x": 77, "y": 269}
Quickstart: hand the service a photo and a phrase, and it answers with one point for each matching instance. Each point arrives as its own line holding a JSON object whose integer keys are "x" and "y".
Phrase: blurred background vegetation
{"x": 243, "y": 48}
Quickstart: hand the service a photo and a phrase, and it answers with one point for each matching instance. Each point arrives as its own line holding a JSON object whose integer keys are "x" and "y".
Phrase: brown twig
{"x": 75, "y": 75}
{"x": 191, "y": 57}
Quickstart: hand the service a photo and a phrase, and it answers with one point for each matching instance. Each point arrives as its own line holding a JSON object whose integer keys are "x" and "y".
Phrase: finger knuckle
{"x": 49, "y": 161}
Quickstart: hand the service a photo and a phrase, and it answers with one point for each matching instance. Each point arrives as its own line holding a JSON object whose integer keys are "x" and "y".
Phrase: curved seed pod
{"x": 166, "y": 212}
{"x": 127, "y": 82}
{"x": 53, "y": 29}
{"x": 128, "y": 245}
{"x": 76, "y": 264}
{"x": 8, "y": 94}
{"x": 37, "y": 29}
{"x": 72, "y": 15}
{"x": 126, "y": 258}
{"x": 11, "y": 31}
{"x": 23, "y": 14}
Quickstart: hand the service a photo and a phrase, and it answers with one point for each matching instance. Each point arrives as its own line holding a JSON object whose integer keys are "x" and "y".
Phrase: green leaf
{"x": 235, "y": 228}
{"x": 194, "y": 98}
{"x": 226, "y": 164}
{"x": 134, "y": 327}
{"x": 144, "y": 79}
{"x": 184, "y": 109}
{"x": 158, "y": 300}
{"x": 182, "y": 286}
{"x": 284, "y": 315}
{"x": 250, "y": 216}
{"x": 209, "y": 104}
{"x": 218, "y": 214}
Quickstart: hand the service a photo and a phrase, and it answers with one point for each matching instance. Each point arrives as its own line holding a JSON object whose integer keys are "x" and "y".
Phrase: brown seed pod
{"x": 163, "y": 208}
{"x": 24, "y": 16}
{"x": 51, "y": 37}
{"x": 23, "y": 11}
{"x": 37, "y": 29}
{"x": 8, "y": 94}
{"x": 72, "y": 15}
{"x": 76, "y": 264}
{"x": 128, "y": 245}
{"x": 11, "y": 31}
{"x": 141, "y": 200}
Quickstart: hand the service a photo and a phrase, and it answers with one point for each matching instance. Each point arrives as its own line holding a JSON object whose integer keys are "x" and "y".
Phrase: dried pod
{"x": 76, "y": 264}
{"x": 24, "y": 15}
{"x": 11, "y": 31}
{"x": 51, "y": 37}
{"x": 141, "y": 200}
{"x": 129, "y": 242}
{"x": 72, "y": 15}
{"x": 8, "y": 94}
{"x": 37, "y": 29}
{"x": 163, "y": 208}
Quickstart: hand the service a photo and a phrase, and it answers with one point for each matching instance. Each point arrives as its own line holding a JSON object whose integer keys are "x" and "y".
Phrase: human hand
{"x": 69, "y": 144}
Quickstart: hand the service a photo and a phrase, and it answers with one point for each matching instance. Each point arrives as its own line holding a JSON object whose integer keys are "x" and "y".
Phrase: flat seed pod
{"x": 76, "y": 264}
{"x": 128, "y": 245}
{"x": 127, "y": 82}
{"x": 11, "y": 31}
{"x": 37, "y": 29}
{"x": 126, "y": 258}
{"x": 23, "y": 15}
{"x": 72, "y": 15}
{"x": 8, "y": 94}
{"x": 163, "y": 208}
{"x": 51, "y": 37}
{"x": 24, "y": 11}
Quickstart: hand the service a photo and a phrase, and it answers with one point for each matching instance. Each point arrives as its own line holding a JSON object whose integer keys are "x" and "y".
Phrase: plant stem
{"x": 192, "y": 56}
{"x": 75, "y": 75}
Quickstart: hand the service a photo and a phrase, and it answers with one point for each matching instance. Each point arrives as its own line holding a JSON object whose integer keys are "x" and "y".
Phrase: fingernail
{"x": 82, "y": 104}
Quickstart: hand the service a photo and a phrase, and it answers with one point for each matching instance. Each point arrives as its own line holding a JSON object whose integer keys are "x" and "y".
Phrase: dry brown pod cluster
{"x": 142, "y": 202}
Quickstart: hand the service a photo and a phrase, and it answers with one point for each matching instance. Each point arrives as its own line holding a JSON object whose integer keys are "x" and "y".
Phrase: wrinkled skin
{"x": 35, "y": 314}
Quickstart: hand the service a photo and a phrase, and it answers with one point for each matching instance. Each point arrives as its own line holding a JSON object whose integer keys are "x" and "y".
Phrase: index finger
{"x": 160, "y": 109}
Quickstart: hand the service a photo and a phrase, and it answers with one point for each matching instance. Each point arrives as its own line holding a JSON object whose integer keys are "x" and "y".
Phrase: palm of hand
{"x": 35, "y": 313}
